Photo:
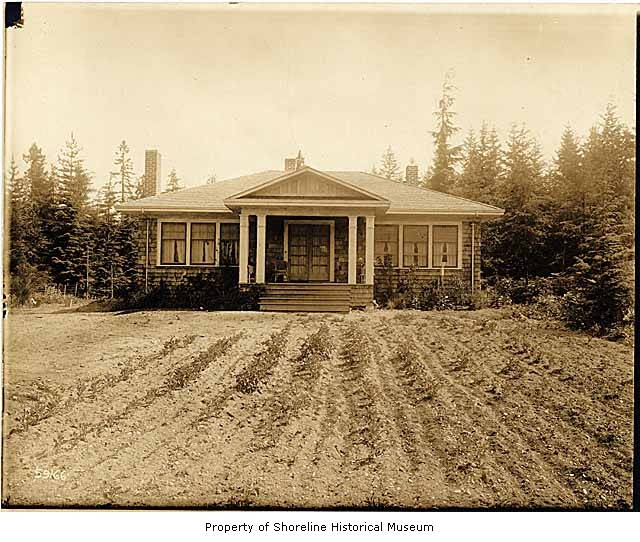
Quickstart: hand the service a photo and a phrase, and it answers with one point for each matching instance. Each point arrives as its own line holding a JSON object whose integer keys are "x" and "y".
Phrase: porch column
{"x": 260, "y": 247}
{"x": 353, "y": 249}
{"x": 368, "y": 257}
{"x": 243, "y": 264}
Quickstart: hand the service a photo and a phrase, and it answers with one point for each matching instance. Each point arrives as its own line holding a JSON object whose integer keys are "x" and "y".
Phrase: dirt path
{"x": 380, "y": 409}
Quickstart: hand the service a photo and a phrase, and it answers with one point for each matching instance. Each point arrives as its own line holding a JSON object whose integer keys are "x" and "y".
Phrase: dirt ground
{"x": 369, "y": 409}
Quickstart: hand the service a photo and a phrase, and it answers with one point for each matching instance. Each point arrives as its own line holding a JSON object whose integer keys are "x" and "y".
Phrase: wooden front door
{"x": 309, "y": 252}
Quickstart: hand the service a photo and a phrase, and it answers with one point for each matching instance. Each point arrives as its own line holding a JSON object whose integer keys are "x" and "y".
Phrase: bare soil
{"x": 370, "y": 409}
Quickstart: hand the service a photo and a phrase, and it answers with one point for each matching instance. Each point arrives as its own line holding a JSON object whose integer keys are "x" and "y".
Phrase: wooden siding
{"x": 275, "y": 248}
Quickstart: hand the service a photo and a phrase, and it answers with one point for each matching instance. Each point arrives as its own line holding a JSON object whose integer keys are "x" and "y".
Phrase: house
{"x": 317, "y": 240}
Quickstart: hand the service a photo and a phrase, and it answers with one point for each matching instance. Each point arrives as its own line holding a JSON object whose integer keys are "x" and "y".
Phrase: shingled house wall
{"x": 173, "y": 275}
{"x": 426, "y": 276}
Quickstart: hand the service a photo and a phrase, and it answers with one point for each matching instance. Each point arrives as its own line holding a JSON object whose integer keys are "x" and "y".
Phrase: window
{"x": 416, "y": 241}
{"x": 203, "y": 244}
{"x": 229, "y": 243}
{"x": 445, "y": 246}
{"x": 386, "y": 244}
{"x": 174, "y": 238}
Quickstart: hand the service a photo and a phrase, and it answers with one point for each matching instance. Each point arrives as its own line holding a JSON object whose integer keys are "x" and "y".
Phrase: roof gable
{"x": 307, "y": 184}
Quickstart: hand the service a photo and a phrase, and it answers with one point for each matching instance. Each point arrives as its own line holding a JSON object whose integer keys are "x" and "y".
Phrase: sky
{"x": 234, "y": 89}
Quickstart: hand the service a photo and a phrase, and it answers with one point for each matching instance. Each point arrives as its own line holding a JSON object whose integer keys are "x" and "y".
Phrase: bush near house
{"x": 199, "y": 292}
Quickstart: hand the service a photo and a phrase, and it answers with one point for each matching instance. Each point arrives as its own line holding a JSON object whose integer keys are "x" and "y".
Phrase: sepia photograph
{"x": 319, "y": 257}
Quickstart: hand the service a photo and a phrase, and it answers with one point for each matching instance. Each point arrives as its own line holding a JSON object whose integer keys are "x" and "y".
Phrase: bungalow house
{"x": 316, "y": 239}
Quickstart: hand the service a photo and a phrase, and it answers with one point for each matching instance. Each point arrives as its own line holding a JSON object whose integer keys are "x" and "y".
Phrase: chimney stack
{"x": 411, "y": 173}
{"x": 152, "y": 174}
{"x": 294, "y": 164}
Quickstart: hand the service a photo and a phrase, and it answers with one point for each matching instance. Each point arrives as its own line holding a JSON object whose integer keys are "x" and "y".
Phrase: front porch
{"x": 308, "y": 263}
{"x": 306, "y": 249}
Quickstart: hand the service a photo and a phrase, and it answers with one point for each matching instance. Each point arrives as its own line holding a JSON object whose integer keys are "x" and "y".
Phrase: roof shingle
{"x": 404, "y": 198}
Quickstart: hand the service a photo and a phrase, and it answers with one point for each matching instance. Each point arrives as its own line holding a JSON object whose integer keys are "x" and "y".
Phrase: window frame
{"x": 397, "y": 251}
{"x": 216, "y": 243}
{"x": 188, "y": 223}
{"x": 186, "y": 243}
{"x": 219, "y": 240}
{"x": 430, "y": 225}
{"x": 458, "y": 248}
{"x": 428, "y": 246}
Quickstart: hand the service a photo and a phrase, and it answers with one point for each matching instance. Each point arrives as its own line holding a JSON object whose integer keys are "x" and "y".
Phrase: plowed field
{"x": 375, "y": 409}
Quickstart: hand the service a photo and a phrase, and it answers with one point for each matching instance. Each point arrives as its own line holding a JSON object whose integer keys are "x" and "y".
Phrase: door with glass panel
{"x": 309, "y": 252}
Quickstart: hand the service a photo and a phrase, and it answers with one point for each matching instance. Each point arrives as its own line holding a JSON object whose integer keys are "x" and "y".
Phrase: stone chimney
{"x": 152, "y": 173}
{"x": 411, "y": 173}
{"x": 294, "y": 164}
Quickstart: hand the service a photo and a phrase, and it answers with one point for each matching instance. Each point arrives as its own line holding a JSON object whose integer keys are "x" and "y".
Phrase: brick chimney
{"x": 294, "y": 164}
{"x": 411, "y": 173}
{"x": 152, "y": 173}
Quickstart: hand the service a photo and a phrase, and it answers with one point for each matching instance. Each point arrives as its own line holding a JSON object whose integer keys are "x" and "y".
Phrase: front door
{"x": 309, "y": 252}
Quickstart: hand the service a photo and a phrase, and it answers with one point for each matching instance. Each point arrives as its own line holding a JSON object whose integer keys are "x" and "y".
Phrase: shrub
{"x": 203, "y": 291}
{"x": 25, "y": 283}
{"x": 521, "y": 292}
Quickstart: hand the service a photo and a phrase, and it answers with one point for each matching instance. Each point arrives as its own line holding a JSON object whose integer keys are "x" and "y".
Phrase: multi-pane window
{"x": 229, "y": 244}
{"x": 386, "y": 245}
{"x": 415, "y": 248}
{"x": 203, "y": 244}
{"x": 173, "y": 244}
{"x": 445, "y": 246}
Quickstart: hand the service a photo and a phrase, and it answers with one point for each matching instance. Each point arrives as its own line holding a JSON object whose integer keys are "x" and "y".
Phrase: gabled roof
{"x": 401, "y": 197}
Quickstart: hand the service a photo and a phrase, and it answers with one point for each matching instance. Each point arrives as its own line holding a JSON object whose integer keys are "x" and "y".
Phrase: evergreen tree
{"x": 515, "y": 244}
{"x": 490, "y": 165}
{"x": 41, "y": 192}
{"x": 601, "y": 290}
{"x": 22, "y": 220}
{"x": 107, "y": 200}
{"x": 601, "y": 295}
{"x": 72, "y": 230}
{"x": 124, "y": 173}
{"x": 469, "y": 177}
{"x": 73, "y": 180}
{"x": 441, "y": 174}
{"x": 389, "y": 168}
{"x": 567, "y": 197}
{"x": 173, "y": 182}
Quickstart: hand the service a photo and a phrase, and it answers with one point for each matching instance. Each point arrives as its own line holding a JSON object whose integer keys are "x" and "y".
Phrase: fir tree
{"x": 173, "y": 182}
{"x": 468, "y": 180}
{"x": 41, "y": 189}
{"x": 514, "y": 245}
{"x": 389, "y": 168}
{"x": 107, "y": 200}
{"x": 72, "y": 230}
{"x": 73, "y": 180}
{"x": 22, "y": 221}
{"x": 124, "y": 173}
{"x": 441, "y": 174}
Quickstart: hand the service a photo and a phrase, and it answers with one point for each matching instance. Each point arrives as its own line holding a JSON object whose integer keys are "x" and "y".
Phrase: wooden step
{"x": 306, "y": 297}
{"x": 303, "y": 307}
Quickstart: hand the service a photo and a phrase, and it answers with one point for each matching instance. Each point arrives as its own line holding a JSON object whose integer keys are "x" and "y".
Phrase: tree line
{"x": 60, "y": 235}
{"x": 570, "y": 220}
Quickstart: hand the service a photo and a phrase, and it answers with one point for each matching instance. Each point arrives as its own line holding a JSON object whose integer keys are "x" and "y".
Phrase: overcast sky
{"x": 234, "y": 89}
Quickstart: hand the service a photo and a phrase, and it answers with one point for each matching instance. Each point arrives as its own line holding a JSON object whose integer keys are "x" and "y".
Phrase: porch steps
{"x": 306, "y": 297}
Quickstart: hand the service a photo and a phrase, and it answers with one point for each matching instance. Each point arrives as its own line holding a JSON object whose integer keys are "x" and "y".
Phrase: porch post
{"x": 243, "y": 264}
{"x": 260, "y": 247}
{"x": 353, "y": 250}
{"x": 368, "y": 258}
